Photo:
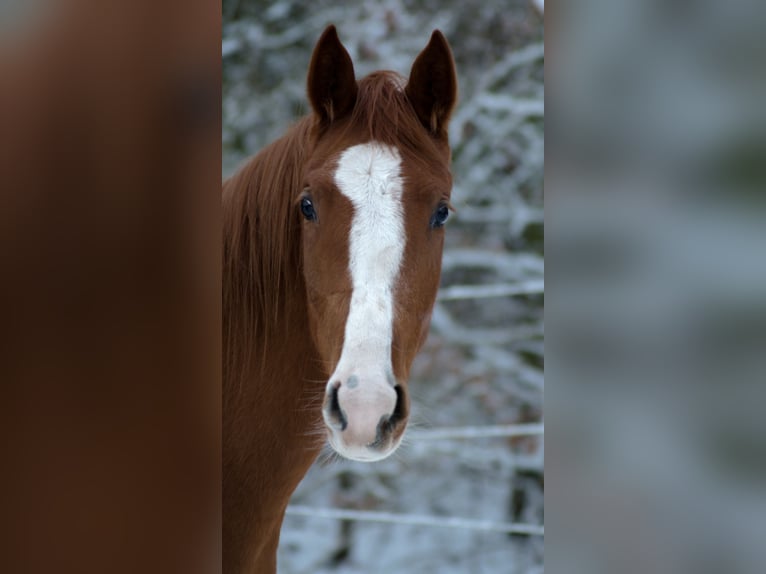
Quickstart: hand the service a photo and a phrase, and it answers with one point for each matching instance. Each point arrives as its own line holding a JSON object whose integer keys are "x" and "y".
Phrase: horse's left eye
{"x": 440, "y": 215}
{"x": 307, "y": 209}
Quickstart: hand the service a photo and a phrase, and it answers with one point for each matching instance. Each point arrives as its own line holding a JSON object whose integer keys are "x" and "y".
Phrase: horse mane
{"x": 260, "y": 243}
{"x": 261, "y": 225}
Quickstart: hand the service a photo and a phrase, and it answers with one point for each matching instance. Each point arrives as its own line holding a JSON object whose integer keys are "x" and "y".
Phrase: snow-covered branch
{"x": 487, "y": 291}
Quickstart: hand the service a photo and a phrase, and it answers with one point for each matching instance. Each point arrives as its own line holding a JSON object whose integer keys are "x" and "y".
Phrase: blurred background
{"x": 656, "y": 316}
{"x": 480, "y": 375}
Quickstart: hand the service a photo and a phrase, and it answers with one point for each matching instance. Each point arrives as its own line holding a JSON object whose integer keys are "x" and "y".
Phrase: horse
{"x": 332, "y": 246}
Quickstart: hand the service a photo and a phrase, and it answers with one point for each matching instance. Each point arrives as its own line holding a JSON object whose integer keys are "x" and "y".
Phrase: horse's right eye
{"x": 307, "y": 209}
{"x": 439, "y": 217}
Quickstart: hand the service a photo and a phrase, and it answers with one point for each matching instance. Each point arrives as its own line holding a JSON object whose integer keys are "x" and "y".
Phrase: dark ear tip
{"x": 438, "y": 39}
{"x": 330, "y": 33}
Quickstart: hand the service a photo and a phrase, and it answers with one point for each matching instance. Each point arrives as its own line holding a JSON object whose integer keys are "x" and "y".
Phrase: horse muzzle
{"x": 365, "y": 417}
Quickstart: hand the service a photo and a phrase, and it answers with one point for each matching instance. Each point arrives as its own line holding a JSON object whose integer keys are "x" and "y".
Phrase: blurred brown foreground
{"x": 109, "y": 283}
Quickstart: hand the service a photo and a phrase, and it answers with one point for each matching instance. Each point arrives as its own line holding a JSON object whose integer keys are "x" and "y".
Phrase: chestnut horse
{"x": 332, "y": 245}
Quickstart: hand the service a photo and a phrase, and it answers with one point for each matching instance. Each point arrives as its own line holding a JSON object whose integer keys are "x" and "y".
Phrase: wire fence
{"x": 458, "y": 433}
{"x": 478, "y": 432}
{"x": 415, "y": 519}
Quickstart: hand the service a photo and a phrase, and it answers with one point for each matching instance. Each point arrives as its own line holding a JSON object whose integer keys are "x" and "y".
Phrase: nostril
{"x": 335, "y": 411}
{"x": 385, "y": 426}
{"x": 400, "y": 410}
{"x": 387, "y": 423}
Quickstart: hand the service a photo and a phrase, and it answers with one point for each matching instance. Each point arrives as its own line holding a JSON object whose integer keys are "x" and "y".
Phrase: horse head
{"x": 374, "y": 203}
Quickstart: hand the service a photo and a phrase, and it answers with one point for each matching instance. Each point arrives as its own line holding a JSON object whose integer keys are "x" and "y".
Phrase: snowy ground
{"x": 483, "y": 363}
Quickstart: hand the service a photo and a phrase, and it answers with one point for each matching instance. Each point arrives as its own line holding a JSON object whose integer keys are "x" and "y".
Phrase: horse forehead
{"x": 370, "y": 175}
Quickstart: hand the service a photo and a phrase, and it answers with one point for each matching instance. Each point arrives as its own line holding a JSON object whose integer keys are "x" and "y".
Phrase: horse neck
{"x": 272, "y": 390}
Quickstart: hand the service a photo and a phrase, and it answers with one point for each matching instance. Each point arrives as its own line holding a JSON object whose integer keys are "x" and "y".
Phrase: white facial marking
{"x": 370, "y": 176}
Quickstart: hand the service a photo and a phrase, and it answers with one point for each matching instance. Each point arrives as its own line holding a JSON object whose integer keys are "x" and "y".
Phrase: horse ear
{"x": 432, "y": 88}
{"x": 331, "y": 82}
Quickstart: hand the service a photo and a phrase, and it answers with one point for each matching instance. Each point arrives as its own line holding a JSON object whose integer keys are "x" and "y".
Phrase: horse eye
{"x": 440, "y": 216}
{"x": 307, "y": 209}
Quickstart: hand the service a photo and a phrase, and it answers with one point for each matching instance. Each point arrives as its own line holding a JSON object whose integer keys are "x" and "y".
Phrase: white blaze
{"x": 369, "y": 175}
